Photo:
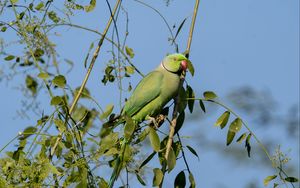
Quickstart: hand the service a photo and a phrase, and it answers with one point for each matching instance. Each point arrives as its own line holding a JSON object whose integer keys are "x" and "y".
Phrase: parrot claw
{"x": 152, "y": 120}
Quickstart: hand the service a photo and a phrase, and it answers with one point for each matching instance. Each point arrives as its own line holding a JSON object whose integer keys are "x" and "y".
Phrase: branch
{"x": 88, "y": 72}
{"x": 187, "y": 51}
{"x": 175, "y": 111}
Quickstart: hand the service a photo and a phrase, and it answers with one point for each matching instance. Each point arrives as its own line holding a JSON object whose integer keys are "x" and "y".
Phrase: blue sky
{"x": 236, "y": 43}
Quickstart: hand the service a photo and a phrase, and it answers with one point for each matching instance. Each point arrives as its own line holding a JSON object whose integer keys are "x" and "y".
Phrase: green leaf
{"x": 180, "y": 181}
{"x": 91, "y": 46}
{"x": 59, "y": 81}
{"x": 91, "y": 6}
{"x": 154, "y": 139}
{"x": 108, "y": 142}
{"x": 176, "y": 148}
{"x": 268, "y": 179}
{"x": 56, "y": 100}
{"x": 158, "y": 176}
{"x": 179, "y": 122}
{"x": 3, "y": 29}
{"x": 230, "y": 136}
{"x": 129, "y": 128}
{"x": 28, "y": 131}
{"x": 14, "y": 1}
{"x": 192, "y": 151}
{"x": 171, "y": 162}
{"x": 129, "y": 69}
{"x": 241, "y": 138}
{"x": 179, "y": 28}
{"x": 202, "y": 105}
{"x": 39, "y": 6}
{"x": 17, "y": 154}
{"x": 52, "y": 15}
{"x": 53, "y": 169}
{"x": 190, "y": 94}
{"x": 147, "y": 159}
{"x": 275, "y": 185}
{"x": 84, "y": 94}
{"x": 21, "y": 15}
{"x": 43, "y": 75}
{"x": 247, "y": 144}
{"x": 129, "y": 51}
{"x": 9, "y": 58}
{"x": 60, "y": 125}
{"x": 234, "y": 127}
{"x": 109, "y": 108}
{"x": 38, "y": 53}
{"x": 291, "y": 179}
{"x": 192, "y": 181}
{"x": 111, "y": 151}
{"x": 223, "y": 119}
{"x": 140, "y": 179}
{"x": 209, "y": 95}
{"x": 31, "y": 84}
{"x": 182, "y": 101}
{"x": 109, "y": 69}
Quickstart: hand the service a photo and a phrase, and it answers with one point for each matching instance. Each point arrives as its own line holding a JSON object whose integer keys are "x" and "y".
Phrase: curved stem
{"x": 106, "y": 38}
{"x": 163, "y": 18}
{"x": 246, "y": 126}
{"x": 9, "y": 143}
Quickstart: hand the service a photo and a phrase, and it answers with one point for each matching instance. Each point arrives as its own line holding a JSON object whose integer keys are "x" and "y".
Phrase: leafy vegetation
{"x": 59, "y": 150}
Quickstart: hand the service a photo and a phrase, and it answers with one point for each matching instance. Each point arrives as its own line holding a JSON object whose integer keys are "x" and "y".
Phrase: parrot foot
{"x": 153, "y": 121}
{"x": 157, "y": 121}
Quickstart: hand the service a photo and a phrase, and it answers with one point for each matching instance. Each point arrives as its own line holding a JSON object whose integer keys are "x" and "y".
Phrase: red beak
{"x": 184, "y": 65}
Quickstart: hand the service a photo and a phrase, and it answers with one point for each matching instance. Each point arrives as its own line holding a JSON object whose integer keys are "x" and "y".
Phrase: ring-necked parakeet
{"x": 149, "y": 97}
{"x": 156, "y": 89}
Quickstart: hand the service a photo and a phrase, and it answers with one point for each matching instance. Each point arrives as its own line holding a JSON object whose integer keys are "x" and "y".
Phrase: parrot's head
{"x": 175, "y": 63}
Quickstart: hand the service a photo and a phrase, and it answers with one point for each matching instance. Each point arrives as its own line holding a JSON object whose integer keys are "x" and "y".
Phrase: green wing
{"x": 147, "y": 90}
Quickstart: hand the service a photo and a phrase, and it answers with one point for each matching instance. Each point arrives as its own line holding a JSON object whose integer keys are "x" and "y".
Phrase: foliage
{"x": 59, "y": 149}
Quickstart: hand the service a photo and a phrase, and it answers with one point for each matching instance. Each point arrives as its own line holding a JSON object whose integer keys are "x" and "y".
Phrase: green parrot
{"x": 149, "y": 97}
{"x": 156, "y": 89}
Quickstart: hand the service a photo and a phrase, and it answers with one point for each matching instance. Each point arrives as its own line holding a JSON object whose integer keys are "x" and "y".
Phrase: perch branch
{"x": 175, "y": 111}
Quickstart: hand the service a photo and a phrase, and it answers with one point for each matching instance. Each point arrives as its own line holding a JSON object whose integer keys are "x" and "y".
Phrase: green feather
{"x": 146, "y": 91}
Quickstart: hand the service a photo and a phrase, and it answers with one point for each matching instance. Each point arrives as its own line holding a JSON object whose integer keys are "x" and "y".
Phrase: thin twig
{"x": 183, "y": 154}
{"x": 88, "y": 73}
{"x": 98, "y": 33}
{"x": 163, "y": 18}
{"x": 187, "y": 51}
